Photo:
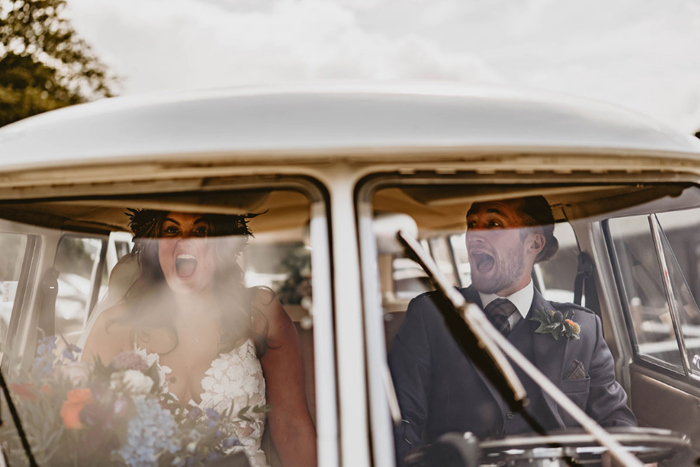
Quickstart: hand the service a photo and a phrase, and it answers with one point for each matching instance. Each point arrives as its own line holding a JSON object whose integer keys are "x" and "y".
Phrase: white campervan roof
{"x": 321, "y": 121}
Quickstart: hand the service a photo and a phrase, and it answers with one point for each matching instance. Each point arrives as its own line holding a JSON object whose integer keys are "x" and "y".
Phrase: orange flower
{"x": 70, "y": 411}
{"x": 574, "y": 326}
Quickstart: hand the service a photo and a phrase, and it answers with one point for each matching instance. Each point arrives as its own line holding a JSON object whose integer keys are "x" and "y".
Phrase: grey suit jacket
{"x": 440, "y": 390}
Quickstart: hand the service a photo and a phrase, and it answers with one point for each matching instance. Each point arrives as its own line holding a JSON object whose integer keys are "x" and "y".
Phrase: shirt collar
{"x": 522, "y": 299}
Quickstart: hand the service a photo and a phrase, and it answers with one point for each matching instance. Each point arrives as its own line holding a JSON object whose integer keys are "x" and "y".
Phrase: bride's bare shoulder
{"x": 110, "y": 335}
{"x": 276, "y": 320}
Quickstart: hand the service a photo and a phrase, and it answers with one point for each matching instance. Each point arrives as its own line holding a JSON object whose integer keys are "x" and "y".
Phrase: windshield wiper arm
{"x": 17, "y": 422}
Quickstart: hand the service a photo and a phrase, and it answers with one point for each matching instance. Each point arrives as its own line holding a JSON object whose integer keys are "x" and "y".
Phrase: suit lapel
{"x": 549, "y": 352}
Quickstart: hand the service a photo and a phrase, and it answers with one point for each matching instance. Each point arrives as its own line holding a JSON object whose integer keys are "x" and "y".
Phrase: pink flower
{"x": 130, "y": 361}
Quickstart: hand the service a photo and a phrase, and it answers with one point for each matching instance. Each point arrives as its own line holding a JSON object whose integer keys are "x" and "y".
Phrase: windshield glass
{"x": 537, "y": 260}
{"x": 160, "y": 330}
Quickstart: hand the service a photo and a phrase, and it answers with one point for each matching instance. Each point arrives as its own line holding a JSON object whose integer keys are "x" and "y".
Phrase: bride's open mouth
{"x": 483, "y": 261}
{"x": 185, "y": 265}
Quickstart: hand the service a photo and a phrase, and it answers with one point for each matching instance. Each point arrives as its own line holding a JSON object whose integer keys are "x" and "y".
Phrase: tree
{"x": 44, "y": 65}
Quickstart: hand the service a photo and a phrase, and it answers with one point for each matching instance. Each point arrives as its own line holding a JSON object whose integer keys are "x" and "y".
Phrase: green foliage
{"x": 44, "y": 65}
{"x": 556, "y": 323}
{"x": 297, "y": 265}
{"x": 256, "y": 409}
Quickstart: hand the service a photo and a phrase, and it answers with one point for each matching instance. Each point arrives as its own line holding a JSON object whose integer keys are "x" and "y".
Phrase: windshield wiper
{"x": 496, "y": 347}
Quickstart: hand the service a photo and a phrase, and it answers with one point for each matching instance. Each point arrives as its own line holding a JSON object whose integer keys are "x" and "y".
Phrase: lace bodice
{"x": 235, "y": 379}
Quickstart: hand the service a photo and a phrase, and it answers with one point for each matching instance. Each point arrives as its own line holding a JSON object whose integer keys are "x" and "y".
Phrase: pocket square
{"x": 575, "y": 371}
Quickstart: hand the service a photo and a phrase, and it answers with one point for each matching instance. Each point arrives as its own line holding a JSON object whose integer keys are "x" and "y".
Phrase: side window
{"x": 409, "y": 279}
{"x": 13, "y": 247}
{"x": 660, "y": 305}
{"x": 682, "y": 281}
{"x": 79, "y": 263}
{"x": 283, "y": 266}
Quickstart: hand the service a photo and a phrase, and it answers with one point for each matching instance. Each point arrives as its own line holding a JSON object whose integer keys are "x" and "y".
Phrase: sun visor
{"x": 109, "y": 213}
{"x": 445, "y": 207}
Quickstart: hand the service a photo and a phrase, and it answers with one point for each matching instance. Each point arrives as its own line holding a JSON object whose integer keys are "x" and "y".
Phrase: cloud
{"x": 639, "y": 54}
{"x": 179, "y": 44}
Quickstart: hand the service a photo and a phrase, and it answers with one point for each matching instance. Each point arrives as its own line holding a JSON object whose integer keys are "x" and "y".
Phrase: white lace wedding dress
{"x": 236, "y": 379}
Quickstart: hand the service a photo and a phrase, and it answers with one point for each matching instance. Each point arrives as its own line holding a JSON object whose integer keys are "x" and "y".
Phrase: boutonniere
{"x": 556, "y": 323}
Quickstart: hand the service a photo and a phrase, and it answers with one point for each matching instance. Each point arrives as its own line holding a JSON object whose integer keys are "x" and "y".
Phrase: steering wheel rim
{"x": 648, "y": 444}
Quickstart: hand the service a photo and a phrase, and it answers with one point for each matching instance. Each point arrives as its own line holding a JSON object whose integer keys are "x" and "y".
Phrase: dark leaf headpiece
{"x": 141, "y": 221}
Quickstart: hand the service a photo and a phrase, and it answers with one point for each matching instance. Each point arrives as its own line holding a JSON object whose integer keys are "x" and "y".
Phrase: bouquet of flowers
{"x": 75, "y": 413}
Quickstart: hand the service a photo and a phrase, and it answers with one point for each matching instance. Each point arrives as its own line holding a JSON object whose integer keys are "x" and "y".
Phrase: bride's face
{"x": 186, "y": 254}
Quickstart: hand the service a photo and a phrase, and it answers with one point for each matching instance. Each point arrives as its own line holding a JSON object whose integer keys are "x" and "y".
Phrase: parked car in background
{"x": 326, "y": 165}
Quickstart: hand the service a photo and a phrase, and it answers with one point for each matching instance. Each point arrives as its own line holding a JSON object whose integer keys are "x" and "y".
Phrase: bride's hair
{"x": 149, "y": 303}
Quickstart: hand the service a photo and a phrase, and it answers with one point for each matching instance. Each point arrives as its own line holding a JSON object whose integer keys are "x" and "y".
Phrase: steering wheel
{"x": 648, "y": 444}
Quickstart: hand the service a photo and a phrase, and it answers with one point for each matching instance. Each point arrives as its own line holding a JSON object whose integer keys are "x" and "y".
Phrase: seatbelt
{"x": 49, "y": 293}
{"x": 584, "y": 274}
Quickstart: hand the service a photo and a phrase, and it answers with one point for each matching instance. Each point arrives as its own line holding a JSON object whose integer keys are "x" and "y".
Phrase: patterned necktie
{"x": 498, "y": 312}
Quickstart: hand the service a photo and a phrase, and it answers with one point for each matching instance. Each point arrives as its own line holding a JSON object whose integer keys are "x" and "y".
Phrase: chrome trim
{"x": 382, "y": 397}
{"x": 670, "y": 296}
{"x": 322, "y": 314}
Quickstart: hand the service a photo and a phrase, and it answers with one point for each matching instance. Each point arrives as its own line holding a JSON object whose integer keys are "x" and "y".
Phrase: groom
{"x": 440, "y": 390}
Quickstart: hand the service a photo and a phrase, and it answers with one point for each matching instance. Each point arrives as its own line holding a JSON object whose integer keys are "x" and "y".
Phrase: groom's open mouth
{"x": 483, "y": 261}
{"x": 185, "y": 264}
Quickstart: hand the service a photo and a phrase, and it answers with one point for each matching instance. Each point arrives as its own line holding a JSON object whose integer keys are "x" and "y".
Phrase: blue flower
{"x": 68, "y": 355}
{"x": 194, "y": 412}
{"x": 230, "y": 442}
{"x": 151, "y": 431}
{"x": 44, "y": 359}
{"x": 213, "y": 414}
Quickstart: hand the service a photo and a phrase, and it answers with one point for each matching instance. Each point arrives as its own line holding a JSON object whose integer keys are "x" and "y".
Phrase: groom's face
{"x": 497, "y": 246}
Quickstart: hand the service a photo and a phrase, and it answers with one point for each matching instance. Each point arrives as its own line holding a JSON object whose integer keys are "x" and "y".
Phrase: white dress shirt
{"x": 522, "y": 299}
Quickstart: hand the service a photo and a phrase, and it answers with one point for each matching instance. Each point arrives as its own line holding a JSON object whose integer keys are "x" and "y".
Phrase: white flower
{"x": 132, "y": 380}
{"x": 154, "y": 359}
{"x": 149, "y": 358}
{"x": 236, "y": 371}
{"x": 76, "y": 372}
{"x": 250, "y": 386}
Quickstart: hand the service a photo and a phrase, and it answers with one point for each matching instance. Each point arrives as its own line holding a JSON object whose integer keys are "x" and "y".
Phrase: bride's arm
{"x": 107, "y": 337}
{"x": 292, "y": 431}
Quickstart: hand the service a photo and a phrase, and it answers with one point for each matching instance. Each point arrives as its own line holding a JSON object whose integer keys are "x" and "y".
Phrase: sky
{"x": 639, "y": 54}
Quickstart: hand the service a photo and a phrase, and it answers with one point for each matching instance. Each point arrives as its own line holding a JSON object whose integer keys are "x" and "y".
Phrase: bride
{"x": 224, "y": 343}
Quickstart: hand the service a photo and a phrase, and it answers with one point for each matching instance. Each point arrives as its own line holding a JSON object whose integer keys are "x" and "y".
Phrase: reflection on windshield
{"x": 521, "y": 265}
{"x": 169, "y": 350}
{"x": 505, "y": 240}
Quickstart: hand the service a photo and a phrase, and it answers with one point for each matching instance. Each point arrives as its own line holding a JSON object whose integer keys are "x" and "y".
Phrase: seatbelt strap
{"x": 583, "y": 273}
